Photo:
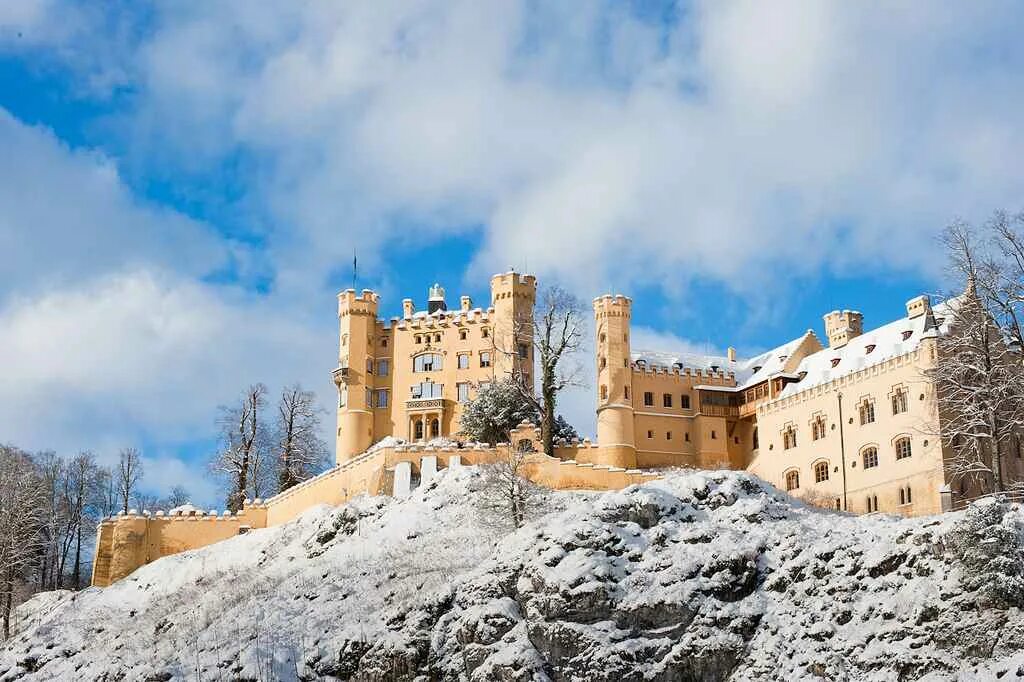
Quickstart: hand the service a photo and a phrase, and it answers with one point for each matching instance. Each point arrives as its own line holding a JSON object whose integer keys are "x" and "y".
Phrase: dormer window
{"x": 906, "y": 334}
{"x": 757, "y": 369}
{"x": 835, "y": 362}
{"x": 869, "y": 348}
{"x": 802, "y": 375}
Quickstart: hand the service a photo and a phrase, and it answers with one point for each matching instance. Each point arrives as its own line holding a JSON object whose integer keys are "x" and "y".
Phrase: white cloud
{"x": 65, "y": 214}
{"x": 143, "y": 355}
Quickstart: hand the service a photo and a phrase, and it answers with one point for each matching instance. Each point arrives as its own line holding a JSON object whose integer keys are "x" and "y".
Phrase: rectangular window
{"x": 463, "y": 361}
{"x": 381, "y": 398}
{"x": 668, "y": 435}
{"x": 384, "y": 342}
{"x": 369, "y": 397}
{"x": 666, "y": 400}
{"x": 899, "y": 402}
{"x": 428, "y": 362}
{"x": 625, "y": 390}
{"x": 684, "y": 402}
{"x": 648, "y": 398}
{"x": 463, "y": 392}
{"x": 485, "y": 359}
{"x": 369, "y": 366}
{"x": 463, "y": 334}
{"x": 383, "y": 367}
{"x": 484, "y": 333}
{"x": 867, "y": 412}
{"x": 342, "y": 396}
{"x": 650, "y": 434}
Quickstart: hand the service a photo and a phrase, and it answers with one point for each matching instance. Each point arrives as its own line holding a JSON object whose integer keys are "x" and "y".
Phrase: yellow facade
{"x": 850, "y": 424}
{"x": 408, "y": 377}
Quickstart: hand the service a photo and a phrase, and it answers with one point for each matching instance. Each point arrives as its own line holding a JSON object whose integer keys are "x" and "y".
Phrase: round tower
{"x": 513, "y": 296}
{"x": 357, "y": 316}
{"x": 614, "y": 382}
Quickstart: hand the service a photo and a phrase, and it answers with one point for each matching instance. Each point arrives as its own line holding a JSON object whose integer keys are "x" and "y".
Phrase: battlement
{"x": 841, "y": 327}
{"x": 364, "y": 303}
{"x": 513, "y": 285}
{"x": 612, "y": 306}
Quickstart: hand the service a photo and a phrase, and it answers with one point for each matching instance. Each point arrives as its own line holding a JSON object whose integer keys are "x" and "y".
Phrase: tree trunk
{"x": 78, "y": 558}
{"x": 997, "y": 468}
{"x": 8, "y": 598}
{"x": 547, "y": 419}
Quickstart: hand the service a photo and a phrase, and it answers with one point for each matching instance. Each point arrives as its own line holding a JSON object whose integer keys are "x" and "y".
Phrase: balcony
{"x": 728, "y": 411}
{"x": 341, "y": 375}
{"x": 418, "y": 404}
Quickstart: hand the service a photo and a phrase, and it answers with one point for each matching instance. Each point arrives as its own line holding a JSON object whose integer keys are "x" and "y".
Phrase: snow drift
{"x": 702, "y": 576}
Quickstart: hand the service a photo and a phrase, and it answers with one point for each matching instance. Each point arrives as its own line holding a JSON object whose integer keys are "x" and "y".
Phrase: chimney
{"x": 731, "y": 354}
{"x": 407, "y": 308}
{"x": 916, "y": 307}
{"x": 465, "y": 303}
{"x": 841, "y": 327}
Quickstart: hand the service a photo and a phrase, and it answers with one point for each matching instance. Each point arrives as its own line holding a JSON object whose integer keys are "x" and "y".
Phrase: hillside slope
{"x": 704, "y": 576}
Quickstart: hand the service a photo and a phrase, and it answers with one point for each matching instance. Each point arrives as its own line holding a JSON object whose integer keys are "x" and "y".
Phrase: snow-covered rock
{"x": 700, "y": 576}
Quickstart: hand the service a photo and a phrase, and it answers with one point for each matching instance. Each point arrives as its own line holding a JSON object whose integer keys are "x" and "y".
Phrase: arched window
{"x": 820, "y": 472}
{"x": 870, "y": 456}
{"x": 418, "y": 430}
{"x": 754, "y": 439}
{"x": 789, "y": 438}
{"x": 602, "y": 363}
{"x": 792, "y": 480}
{"x": 427, "y": 362}
{"x": 604, "y": 392}
{"x": 435, "y": 428}
{"x": 902, "y": 447}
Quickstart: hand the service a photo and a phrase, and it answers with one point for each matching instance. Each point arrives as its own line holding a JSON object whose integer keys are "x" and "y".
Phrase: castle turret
{"x": 614, "y": 379}
{"x": 357, "y": 315}
{"x": 841, "y": 327}
{"x": 435, "y": 299}
{"x": 513, "y": 296}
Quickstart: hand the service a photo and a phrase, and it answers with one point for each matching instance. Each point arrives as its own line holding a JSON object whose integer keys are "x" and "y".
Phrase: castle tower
{"x": 614, "y": 378}
{"x": 842, "y": 327}
{"x": 513, "y": 296}
{"x": 357, "y": 316}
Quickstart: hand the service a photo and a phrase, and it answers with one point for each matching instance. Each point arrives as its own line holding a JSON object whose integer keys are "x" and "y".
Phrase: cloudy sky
{"x": 183, "y": 184}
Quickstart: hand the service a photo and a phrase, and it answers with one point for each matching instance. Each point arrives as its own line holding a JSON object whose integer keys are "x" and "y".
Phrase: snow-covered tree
{"x": 22, "y": 524}
{"x": 301, "y": 452}
{"x": 978, "y": 375}
{"x": 129, "y": 475}
{"x": 554, "y": 331}
{"x": 499, "y": 408}
{"x": 495, "y": 411}
{"x": 507, "y": 495}
{"x": 245, "y": 445}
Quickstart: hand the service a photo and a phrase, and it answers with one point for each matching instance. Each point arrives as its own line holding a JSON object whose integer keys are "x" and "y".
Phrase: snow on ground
{"x": 699, "y": 576}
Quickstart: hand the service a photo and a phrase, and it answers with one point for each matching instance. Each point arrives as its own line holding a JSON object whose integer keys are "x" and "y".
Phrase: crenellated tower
{"x": 513, "y": 296}
{"x": 614, "y": 378}
{"x": 357, "y": 316}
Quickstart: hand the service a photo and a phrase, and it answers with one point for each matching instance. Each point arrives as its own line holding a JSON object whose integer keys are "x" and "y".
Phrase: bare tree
{"x": 554, "y": 333}
{"x": 52, "y": 472}
{"x": 507, "y": 495}
{"x": 81, "y": 476}
{"x": 22, "y": 522}
{"x": 177, "y": 497}
{"x": 129, "y": 474}
{"x": 244, "y": 441}
{"x": 978, "y": 376}
{"x": 301, "y": 450}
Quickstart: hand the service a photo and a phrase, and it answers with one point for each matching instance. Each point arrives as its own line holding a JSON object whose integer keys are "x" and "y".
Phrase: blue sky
{"x": 183, "y": 185}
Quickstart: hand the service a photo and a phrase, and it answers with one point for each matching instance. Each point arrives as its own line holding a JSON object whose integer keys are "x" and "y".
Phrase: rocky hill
{"x": 703, "y": 576}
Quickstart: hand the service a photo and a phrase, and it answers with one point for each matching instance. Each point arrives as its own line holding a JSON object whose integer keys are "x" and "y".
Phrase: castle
{"x": 850, "y": 424}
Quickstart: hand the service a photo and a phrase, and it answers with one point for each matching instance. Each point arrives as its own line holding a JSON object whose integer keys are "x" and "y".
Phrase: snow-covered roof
{"x": 653, "y": 358}
{"x": 748, "y": 371}
{"x": 870, "y": 348}
{"x": 759, "y": 368}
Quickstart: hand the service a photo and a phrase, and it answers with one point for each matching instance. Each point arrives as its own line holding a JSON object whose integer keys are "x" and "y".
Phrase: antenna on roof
{"x": 355, "y": 269}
